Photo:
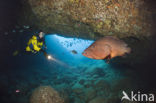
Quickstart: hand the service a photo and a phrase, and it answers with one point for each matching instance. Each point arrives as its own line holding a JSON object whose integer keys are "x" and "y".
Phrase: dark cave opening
{"x": 10, "y": 12}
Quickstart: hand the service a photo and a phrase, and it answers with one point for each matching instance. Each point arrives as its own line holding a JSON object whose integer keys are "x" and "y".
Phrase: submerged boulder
{"x": 45, "y": 94}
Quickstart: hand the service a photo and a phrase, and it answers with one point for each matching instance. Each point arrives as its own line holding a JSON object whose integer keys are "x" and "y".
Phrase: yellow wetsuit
{"x": 34, "y": 45}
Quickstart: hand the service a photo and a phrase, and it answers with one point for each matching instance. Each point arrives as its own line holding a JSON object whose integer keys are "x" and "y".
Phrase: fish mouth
{"x": 83, "y": 53}
{"x": 86, "y": 55}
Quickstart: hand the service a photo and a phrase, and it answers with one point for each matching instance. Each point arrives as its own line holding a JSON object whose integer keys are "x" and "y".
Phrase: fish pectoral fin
{"x": 107, "y": 51}
{"x": 107, "y": 59}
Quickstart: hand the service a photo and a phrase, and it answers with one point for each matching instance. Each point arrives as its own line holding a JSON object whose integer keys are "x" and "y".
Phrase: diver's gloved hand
{"x": 44, "y": 47}
{"x": 34, "y": 51}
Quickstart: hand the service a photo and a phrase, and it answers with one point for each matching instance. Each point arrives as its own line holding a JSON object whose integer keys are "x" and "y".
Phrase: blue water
{"x": 80, "y": 79}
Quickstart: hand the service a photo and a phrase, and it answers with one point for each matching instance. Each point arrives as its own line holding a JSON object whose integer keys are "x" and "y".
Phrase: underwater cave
{"x": 57, "y": 71}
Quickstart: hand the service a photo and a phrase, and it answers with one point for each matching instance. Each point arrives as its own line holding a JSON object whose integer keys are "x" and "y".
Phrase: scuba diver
{"x": 37, "y": 44}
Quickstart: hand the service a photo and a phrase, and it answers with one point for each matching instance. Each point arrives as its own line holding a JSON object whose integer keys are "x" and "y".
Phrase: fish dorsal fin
{"x": 114, "y": 37}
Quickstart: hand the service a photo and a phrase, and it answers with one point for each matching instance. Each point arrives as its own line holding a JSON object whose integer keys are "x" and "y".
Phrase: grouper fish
{"x": 107, "y": 47}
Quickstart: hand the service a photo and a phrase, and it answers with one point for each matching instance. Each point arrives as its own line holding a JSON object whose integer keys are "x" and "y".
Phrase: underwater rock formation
{"x": 45, "y": 94}
{"x": 90, "y": 18}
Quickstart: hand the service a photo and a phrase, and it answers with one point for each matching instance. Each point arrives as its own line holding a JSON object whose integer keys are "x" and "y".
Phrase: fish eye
{"x": 84, "y": 53}
{"x": 93, "y": 46}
